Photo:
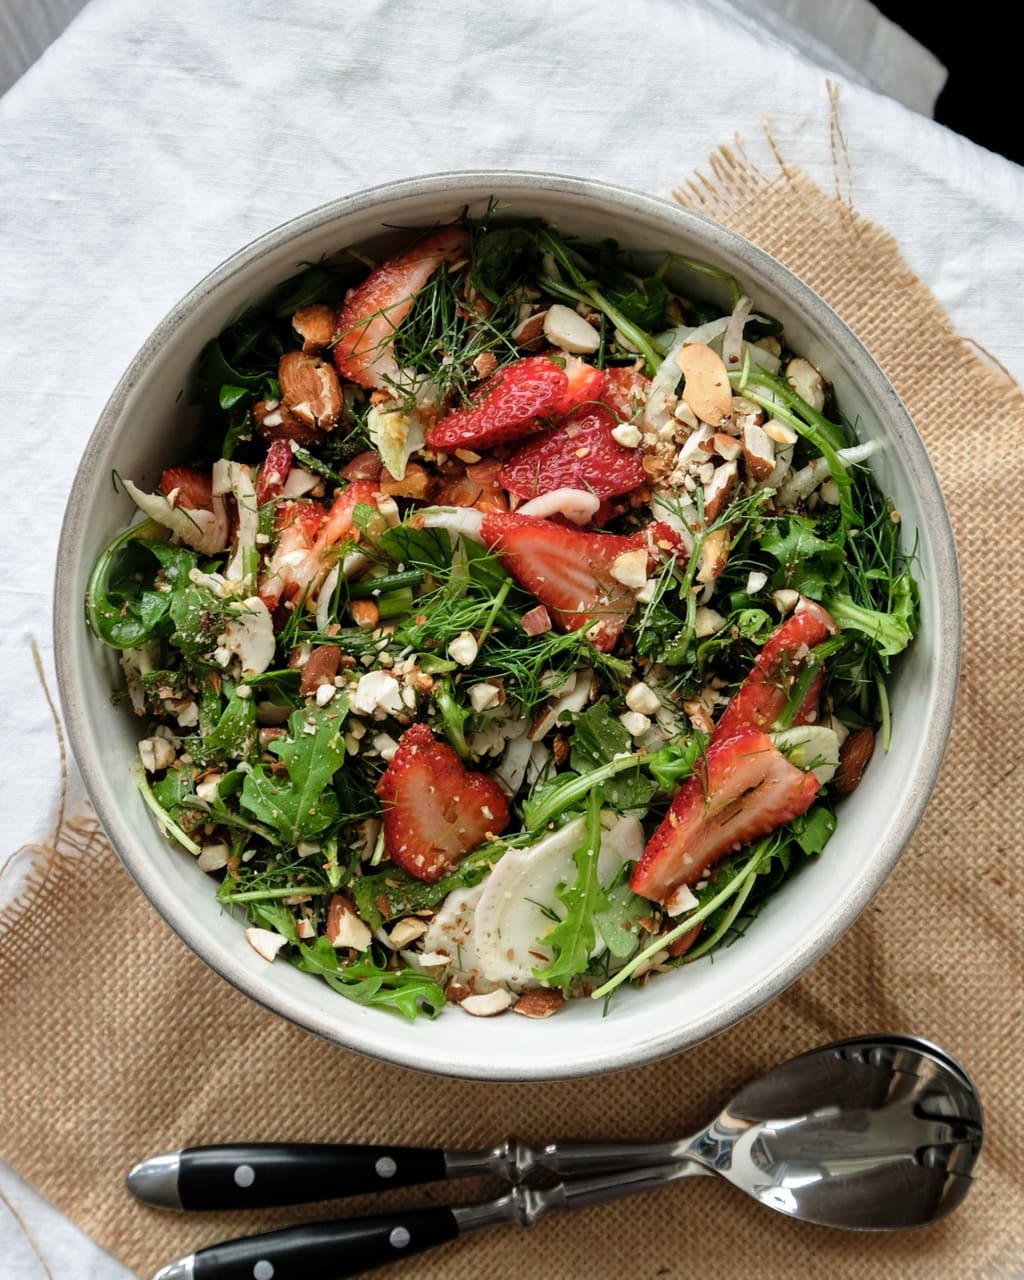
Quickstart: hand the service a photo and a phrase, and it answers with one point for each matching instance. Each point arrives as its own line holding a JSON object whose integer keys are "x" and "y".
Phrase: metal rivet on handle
{"x": 245, "y": 1175}
{"x": 385, "y": 1167}
{"x": 399, "y": 1238}
{"x": 263, "y": 1270}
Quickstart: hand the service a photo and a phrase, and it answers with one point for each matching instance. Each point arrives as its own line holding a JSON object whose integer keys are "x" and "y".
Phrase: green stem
{"x": 695, "y": 917}
{"x": 499, "y": 600}
{"x": 709, "y": 943}
{"x": 270, "y": 895}
{"x": 163, "y": 819}
{"x": 563, "y": 797}
{"x": 367, "y": 587}
{"x": 883, "y": 706}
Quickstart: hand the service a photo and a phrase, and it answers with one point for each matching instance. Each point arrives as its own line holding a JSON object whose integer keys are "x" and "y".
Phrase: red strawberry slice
{"x": 294, "y": 563}
{"x": 581, "y": 453}
{"x": 760, "y": 699}
{"x": 507, "y": 407}
{"x": 585, "y": 383}
{"x": 341, "y": 516}
{"x": 274, "y": 472}
{"x": 194, "y": 488}
{"x": 625, "y": 391}
{"x": 744, "y": 788}
{"x": 434, "y": 810}
{"x": 364, "y": 342}
{"x": 572, "y": 572}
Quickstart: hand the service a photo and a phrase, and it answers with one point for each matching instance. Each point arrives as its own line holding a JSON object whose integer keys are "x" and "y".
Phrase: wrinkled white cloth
{"x": 151, "y": 140}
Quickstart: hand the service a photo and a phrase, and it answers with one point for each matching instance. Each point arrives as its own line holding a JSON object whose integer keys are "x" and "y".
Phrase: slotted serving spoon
{"x": 874, "y": 1133}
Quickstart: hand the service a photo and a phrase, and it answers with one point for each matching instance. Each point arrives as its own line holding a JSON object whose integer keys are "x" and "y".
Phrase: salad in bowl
{"x": 517, "y": 624}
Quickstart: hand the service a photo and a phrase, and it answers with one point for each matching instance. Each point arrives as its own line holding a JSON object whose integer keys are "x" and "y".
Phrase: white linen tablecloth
{"x": 153, "y": 139}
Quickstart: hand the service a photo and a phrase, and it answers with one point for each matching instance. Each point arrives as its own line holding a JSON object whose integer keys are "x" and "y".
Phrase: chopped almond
{"x": 315, "y": 325}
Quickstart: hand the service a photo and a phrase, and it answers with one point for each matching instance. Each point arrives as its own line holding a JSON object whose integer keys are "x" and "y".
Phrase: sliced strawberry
{"x": 585, "y": 383}
{"x": 625, "y": 391}
{"x": 580, "y": 453}
{"x": 743, "y": 789}
{"x": 274, "y": 472}
{"x": 762, "y": 696}
{"x": 572, "y": 572}
{"x": 295, "y": 563}
{"x": 507, "y": 407}
{"x": 194, "y": 488}
{"x": 364, "y": 345}
{"x": 341, "y": 516}
{"x": 434, "y": 810}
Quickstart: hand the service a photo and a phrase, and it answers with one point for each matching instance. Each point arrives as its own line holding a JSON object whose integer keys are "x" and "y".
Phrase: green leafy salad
{"x": 515, "y": 624}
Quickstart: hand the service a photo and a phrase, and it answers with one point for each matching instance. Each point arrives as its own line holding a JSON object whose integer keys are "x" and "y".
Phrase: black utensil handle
{"x": 259, "y": 1175}
{"x": 326, "y": 1250}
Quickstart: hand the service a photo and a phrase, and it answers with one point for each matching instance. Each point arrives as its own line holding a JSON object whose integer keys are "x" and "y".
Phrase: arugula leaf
{"x": 891, "y": 632}
{"x": 673, "y": 764}
{"x": 234, "y": 735}
{"x": 573, "y": 939}
{"x": 123, "y": 606}
{"x": 407, "y": 991}
{"x": 599, "y": 739}
{"x": 302, "y": 804}
{"x": 385, "y": 895}
{"x": 813, "y": 829}
{"x": 809, "y": 565}
{"x": 622, "y": 922}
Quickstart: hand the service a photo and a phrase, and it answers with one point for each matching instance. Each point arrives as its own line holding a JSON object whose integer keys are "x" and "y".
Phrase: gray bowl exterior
{"x": 144, "y": 428}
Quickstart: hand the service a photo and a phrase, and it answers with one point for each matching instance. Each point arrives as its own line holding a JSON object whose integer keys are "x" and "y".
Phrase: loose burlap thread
{"x": 118, "y": 1042}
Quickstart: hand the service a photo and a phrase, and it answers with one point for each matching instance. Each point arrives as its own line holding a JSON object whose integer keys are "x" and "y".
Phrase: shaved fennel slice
{"x": 204, "y": 531}
{"x": 520, "y": 904}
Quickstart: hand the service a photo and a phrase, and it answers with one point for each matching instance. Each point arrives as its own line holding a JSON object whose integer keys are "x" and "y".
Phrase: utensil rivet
{"x": 385, "y": 1167}
{"x": 399, "y": 1238}
{"x": 263, "y": 1270}
{"x": 245, "y": 1176}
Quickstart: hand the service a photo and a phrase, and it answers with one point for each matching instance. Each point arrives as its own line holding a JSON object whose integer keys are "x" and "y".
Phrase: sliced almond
{"x": 310, "y": 388}
{"x": 486, "y": 1006}
{"x": 780, "y": 432}
{"x": 530, "y": 331}
{"x": 706, "y": 388}
{"x": 265, "y": 942}
{"x": 718, "y": 490}
{"x": 567, "y": 329}
{"x": 854, "y": 755}
{"x": 539, "y": 1003}
{"x": 758, "y": 451}
{"x": 315, "y": 326}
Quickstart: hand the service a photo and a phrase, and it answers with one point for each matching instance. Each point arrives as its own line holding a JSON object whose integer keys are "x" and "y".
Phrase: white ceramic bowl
{"x": 144, "y": 428}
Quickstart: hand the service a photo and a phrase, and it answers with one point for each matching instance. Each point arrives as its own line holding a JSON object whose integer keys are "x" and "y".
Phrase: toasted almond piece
{"x": 727, "y": 447}
{"x": 364, "y": 466}
{"x": 630, "y": 568}
{"x": 320, "y": 668}
{"x": 698, "y": 716}
{"x": 265, "y": 942}
{"x": 567, "y": 329}
{"x": 310, "y": 388}
{"x": 780, "y": 432}
{"x": 277, "y": 422}
{"x": 315, "y": 326}
{"x": 486, "y": 1006}
{"x": 714, "y": 554}
{"x": 707, "y": 622}
{"x": 344, "y": 927}
{"x": 854, "y": 755}
{"x": 806, "y": 381}
{"x": 706, "y": 389}
{"x": 365, "y": 613}
{"x": 406, "y": 931}
{"x": 529, "y": 331}
{"x": 718, "y": 490}
{"x": 758, "y": 451}
{"x": 414, "y": 484}
{"x": 539, "y": 1003}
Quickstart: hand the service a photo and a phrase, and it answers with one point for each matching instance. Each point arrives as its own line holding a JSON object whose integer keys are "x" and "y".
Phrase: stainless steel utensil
{"x": 874, "y": 1133}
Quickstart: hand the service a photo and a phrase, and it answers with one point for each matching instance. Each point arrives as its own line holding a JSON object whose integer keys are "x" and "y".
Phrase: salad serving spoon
{"x": 874, "y": 1133}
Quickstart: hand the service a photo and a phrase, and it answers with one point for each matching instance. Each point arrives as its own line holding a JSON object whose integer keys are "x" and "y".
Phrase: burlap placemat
{"x": 118, "y": 1043}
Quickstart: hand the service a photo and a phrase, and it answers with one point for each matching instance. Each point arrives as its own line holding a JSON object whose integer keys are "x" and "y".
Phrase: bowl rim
{"x": 67, "y": 616}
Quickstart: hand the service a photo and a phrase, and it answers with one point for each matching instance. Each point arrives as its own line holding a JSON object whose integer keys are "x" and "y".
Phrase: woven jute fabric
{"x": 117, "y": 1042}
